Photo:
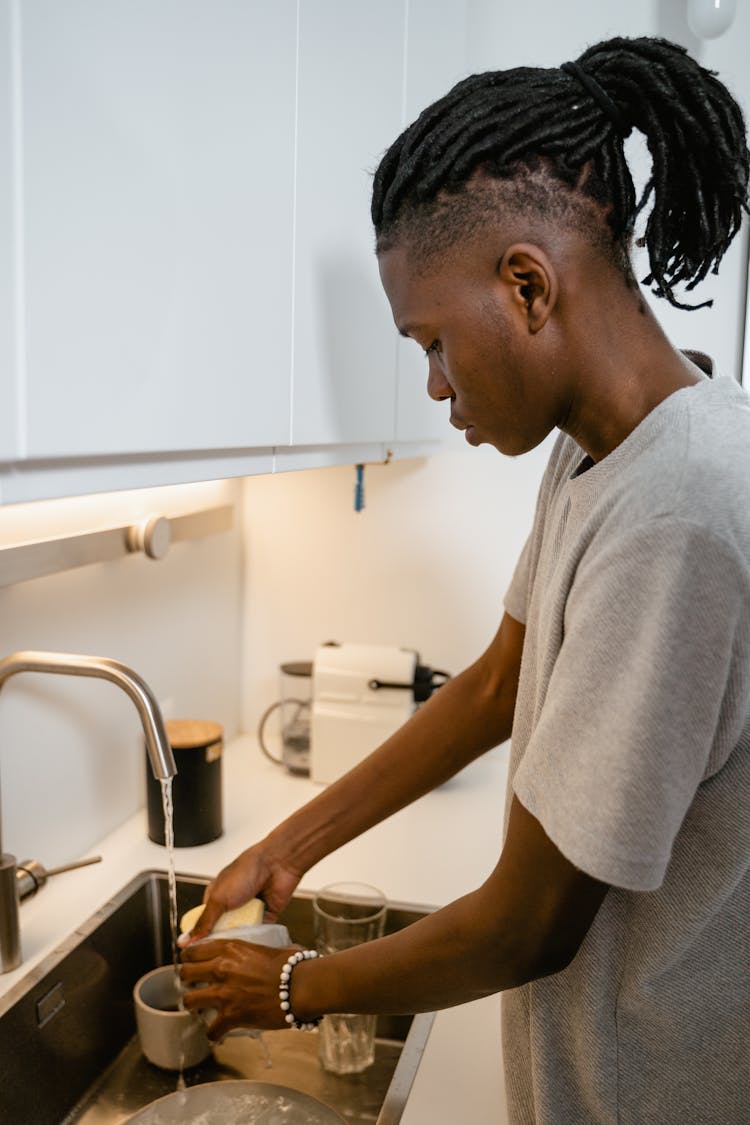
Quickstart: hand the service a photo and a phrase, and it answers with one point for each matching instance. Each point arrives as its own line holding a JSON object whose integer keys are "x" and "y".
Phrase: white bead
{"x": 285, "y": 989}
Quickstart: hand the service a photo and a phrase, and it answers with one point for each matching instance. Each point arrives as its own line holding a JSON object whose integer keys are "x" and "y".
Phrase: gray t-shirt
{"x": 631, "y": 746}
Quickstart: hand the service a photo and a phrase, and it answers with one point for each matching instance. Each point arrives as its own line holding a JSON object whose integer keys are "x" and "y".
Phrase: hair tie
{"x": 600, "y": 96}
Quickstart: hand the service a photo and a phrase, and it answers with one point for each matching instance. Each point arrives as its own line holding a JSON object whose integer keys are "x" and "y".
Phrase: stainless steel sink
{"x": 68, "y": 1049}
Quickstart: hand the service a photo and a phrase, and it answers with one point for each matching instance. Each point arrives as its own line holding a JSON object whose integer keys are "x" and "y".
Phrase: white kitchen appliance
{"x": 361, "y": 694}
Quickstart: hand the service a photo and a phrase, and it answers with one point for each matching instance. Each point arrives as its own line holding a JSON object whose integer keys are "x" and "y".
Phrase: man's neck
{"x": 626, "y": 371}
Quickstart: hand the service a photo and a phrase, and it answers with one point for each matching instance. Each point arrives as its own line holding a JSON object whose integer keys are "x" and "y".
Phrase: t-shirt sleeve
{"x": 648, "y": 696}
{"x": 517, "y": 594}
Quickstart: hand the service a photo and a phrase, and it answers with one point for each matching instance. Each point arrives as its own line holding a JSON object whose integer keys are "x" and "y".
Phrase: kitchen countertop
{"x": 428, "y": 854}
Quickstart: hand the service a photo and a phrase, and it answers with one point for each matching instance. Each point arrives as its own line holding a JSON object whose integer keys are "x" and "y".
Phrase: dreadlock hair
{"x": 550, "y": 143}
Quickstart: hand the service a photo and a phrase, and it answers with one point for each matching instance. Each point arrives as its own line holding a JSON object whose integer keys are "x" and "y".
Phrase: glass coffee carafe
{"x": 293, "y": 713}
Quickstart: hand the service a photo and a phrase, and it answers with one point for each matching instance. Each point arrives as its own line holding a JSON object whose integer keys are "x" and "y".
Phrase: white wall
{"x": 426, "y": 563}
{"x": 71, "y": 755}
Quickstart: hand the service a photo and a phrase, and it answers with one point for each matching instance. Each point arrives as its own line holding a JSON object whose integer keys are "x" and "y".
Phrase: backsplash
{"x": 424, "y": 565}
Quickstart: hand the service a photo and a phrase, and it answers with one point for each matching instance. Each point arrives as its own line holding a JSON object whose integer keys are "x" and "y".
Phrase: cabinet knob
{"x": 153, "y": 536}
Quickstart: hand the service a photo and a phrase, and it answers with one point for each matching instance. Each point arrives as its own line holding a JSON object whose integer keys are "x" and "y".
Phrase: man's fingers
{"x": 205, "y": 924}
{"x": 198, "y": 973}
{"x": 206, "y": 950}
{"x": 199, "y": 999}
{"x": 218, "y": 1029}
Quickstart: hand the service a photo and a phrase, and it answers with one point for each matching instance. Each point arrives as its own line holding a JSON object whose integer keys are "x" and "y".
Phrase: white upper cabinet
{"x": 435, "y": 61}
{"x": 188, "y": 284}
{"x": 157, "y": 219}
{"x": 9, "y": 360}
{"x": 351, "y": 67}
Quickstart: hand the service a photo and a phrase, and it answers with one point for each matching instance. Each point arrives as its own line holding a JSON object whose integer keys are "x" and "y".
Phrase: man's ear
{"x": 532, "y": 279}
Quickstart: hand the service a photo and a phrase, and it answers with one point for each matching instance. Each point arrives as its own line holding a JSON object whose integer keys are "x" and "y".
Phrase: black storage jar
{"x": 197, "y": 745}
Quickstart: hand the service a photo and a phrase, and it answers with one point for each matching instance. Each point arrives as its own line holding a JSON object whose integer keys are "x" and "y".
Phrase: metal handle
{"x": 378, "y": 685}
{"x": 153, "y": 536}
{"x": 32, "y": 875}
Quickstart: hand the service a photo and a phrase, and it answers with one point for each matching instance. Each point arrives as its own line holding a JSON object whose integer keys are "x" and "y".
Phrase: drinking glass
{"x": 347, "y": 914}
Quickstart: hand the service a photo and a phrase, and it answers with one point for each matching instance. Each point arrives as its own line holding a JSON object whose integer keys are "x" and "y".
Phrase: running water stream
{"x": 167, "y": 804}
{"x": 168, "y": 807}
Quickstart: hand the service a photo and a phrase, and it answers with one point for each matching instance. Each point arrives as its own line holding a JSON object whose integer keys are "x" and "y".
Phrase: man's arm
{"x": 526, "y": 921}
{"x": 466, "y": 717}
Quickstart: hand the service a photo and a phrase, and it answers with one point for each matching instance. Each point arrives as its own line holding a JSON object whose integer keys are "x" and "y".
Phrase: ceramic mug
{"x": 171, "y": 1037}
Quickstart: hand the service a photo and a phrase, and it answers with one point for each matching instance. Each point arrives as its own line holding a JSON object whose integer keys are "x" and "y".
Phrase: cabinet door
{"x": 435, "y": 60}
{"x": 350, "y": 93}
{"x": 9, "y": 295}
{"x": 158, "y": 141}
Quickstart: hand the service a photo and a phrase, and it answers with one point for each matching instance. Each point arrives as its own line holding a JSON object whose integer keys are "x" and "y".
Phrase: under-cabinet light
{"x": 21, "y": 523}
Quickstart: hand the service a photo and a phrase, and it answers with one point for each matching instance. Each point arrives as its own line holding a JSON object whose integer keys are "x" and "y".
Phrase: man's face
{"x": 481, "y": 355}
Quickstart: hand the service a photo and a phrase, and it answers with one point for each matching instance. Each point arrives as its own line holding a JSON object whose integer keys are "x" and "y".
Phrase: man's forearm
{"x": 445, "y": 959}
{"x": 527, "y": 920}
{"x": 466, "y": 717}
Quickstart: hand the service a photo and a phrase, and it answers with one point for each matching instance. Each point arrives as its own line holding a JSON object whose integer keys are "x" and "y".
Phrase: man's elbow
{"x": 531, "y": 958}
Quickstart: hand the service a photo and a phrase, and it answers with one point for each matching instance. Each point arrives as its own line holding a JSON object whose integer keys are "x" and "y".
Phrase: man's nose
{"x": 438, "y": 387}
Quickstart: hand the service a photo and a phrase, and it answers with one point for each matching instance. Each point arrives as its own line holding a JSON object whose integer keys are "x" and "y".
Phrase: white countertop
{"x": 438, "y": 849}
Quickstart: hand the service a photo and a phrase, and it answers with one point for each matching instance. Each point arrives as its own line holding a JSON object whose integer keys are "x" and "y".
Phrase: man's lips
{"x": 467, "y": 428}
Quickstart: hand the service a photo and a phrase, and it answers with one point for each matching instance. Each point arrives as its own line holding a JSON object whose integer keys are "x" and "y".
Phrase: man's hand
{"x": 254, "y": 873}
{"x": 238, "y": 981}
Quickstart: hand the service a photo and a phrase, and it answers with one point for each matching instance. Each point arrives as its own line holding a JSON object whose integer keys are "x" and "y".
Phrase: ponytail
{"x": 571, "y": 124}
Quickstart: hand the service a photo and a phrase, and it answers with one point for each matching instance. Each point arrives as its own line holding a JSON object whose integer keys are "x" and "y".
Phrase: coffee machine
{"x": 361, "y": 694}
{"x": 334, "y": 710}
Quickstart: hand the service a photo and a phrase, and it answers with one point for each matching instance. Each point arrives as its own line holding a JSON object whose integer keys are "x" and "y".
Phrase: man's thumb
{"x": 206, "y": 918}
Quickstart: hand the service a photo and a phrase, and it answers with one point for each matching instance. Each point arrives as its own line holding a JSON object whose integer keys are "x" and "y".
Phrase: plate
{"x": 237, "y": 1102}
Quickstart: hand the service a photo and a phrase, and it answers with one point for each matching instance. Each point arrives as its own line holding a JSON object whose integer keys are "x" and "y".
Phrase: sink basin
{"x": 68, "y": 1049}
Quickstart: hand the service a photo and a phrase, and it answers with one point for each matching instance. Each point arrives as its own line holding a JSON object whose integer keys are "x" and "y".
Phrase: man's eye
{"x": 434, "y": 347}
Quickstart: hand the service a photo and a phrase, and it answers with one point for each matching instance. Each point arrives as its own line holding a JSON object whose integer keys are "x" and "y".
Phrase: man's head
{"x": 504, "y": 216}
{"x": 548, "y": 143}
{"x": 489, "y": 312}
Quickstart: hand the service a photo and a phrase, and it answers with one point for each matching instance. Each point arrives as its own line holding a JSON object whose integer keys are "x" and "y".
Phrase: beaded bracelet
{"x": 285, "y": 987}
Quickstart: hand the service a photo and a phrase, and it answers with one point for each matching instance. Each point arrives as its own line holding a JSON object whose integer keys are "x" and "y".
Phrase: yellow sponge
{"x": 249, "y": 914}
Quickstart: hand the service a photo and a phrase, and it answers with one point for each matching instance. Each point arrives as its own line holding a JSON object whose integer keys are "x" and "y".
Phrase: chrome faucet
{"x": 157, "y": 745}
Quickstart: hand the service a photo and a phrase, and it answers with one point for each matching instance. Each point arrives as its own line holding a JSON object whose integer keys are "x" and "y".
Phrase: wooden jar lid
{"x": 185, "y": 734}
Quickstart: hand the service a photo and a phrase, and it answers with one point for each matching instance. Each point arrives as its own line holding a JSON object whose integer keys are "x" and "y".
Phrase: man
{"x": 616, "y": 917}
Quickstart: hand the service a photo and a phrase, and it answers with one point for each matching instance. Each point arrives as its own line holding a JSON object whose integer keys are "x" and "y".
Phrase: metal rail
{"x": 153, "y": 536}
